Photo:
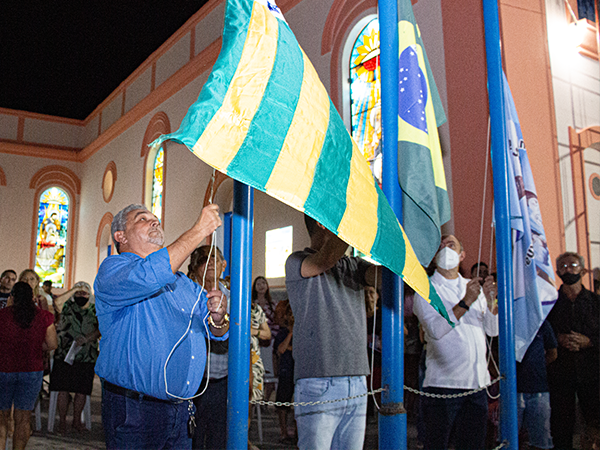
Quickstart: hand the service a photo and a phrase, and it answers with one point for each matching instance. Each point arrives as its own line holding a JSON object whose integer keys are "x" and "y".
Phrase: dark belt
{"x": 135, "y": 395}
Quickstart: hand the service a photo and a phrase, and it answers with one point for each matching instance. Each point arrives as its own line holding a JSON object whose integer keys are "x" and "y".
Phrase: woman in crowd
{"x": 25, "y": 332}
{"x": 285, "y": 386}
{"x": 30, "y": 277}
{"x": 259, "y": 331}
{"x": 78, "y": 327}
{"x": 261, "y": 295}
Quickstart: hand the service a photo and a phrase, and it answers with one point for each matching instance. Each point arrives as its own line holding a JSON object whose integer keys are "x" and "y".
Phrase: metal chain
{"x": 263, "y": 402}
{"x": 501, "y": 445}
{"x": 414, "y": 391}
{"x": 462, "y": 394}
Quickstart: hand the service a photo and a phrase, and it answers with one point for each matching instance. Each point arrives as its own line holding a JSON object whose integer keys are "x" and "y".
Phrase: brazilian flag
{"x": 264, "y": 118}
{"x": 420, "y": 168}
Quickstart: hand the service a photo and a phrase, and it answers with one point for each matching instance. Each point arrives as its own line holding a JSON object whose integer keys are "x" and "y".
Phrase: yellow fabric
{"x": 413, "y": 272}
{"x": 225, "y": 133}
{"x": 360, "y": 218}
{"x": 303, "y": 143}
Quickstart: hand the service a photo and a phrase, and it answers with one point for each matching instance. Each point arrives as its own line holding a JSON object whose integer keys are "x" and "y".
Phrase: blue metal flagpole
{"x": 392, "y": 419}
{"x": 239, "y": 329}
{"x": 506, "y": 344}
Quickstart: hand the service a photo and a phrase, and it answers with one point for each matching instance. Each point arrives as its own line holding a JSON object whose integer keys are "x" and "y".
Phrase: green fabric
{"x": 392, "y": 248}
{"x": 326, "y": 201}
{"x": 386, "y": 246}
{"x": 425, "y": 206}
{"x": 258, "y": 154}
{"x": 237, "y": 19}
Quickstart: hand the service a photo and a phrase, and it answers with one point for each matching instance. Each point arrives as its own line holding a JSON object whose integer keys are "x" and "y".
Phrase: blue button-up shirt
{"x": 139, "y": 328}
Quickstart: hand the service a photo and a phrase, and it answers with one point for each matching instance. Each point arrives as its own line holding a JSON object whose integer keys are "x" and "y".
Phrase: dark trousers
{"x": 140, "y": 424}
{"x": 563, "y": 403}
{"x": 463, "y": 418}
{"x": 211, "y": 417}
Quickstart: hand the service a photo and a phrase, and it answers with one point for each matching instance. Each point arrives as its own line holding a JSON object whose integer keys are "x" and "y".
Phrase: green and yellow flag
{"x": 264, "y": 118}
{"x": 425, "y": 202}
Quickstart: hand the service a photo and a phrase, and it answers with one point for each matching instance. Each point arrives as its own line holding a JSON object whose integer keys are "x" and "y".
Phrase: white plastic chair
{"x": 86, "y": 414}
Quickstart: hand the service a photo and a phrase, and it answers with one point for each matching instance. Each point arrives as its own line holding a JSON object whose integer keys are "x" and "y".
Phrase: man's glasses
{"x": 565, "y": 266}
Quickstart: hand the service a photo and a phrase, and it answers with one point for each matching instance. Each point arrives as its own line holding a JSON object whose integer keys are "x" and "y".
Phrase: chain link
{"x": 462, "y": 394}
{"x": 263, "y": 402}
{"x": 376, "y": 391}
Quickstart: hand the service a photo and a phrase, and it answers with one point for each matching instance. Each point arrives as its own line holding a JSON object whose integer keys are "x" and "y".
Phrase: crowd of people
{"x": 163, "y": 357}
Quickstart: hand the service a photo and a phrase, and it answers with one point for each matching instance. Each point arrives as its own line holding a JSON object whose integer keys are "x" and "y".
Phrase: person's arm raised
{"x": 183, "y": 247}
{"x": 59, "y": 301}
{"x": 325, "y": 258}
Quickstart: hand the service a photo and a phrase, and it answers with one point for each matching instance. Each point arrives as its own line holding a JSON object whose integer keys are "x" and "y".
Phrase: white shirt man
{"x": 456, "y": 356}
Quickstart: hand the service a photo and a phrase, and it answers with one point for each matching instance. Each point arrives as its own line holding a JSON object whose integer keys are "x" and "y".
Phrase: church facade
{"x": 62, "y": 180}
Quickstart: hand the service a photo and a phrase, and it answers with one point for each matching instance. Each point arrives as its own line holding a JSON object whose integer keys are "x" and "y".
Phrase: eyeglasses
{"x": 565, "y": 266}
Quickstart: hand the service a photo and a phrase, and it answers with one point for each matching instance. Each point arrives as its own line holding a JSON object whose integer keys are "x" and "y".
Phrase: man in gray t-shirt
{"x": 326, "y": 294}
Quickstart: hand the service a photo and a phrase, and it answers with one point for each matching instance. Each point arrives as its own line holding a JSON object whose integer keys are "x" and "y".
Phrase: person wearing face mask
{"x": 77, "y": 328}
{"x": 576, "y": 372}
{"x": 456, "y": 356}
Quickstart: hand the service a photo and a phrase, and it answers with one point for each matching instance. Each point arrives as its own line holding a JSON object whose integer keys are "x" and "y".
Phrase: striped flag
{"x": 264, "y": 118}
{"x": 533, "y": 275}
{"x": 420, "y": 168}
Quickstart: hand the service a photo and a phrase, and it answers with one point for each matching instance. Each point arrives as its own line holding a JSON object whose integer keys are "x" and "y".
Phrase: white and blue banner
{"x": 533, "y": 273}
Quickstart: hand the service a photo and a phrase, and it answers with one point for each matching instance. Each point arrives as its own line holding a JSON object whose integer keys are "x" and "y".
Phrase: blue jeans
{"x": 20, "y": 389}
{"x": 211, "y": 416}
{"x": 140, "y": 424}
{"x": 339, "y": 425}
{"x": 533, "y": 412}
{"x": 466, "y": 415}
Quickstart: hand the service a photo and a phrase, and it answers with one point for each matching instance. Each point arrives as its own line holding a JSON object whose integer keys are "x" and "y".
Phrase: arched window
{"x": 365, "y": 94}
{"x": 155, "y": 166}
{"x": 104, "y": 239}
{"x": 51, "y": 242}
{"x": 157, "y": 183}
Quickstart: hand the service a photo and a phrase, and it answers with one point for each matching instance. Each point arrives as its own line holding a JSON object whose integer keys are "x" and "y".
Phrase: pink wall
{"x": 468, "y": 120}
{"x": 526, "y": 61}
{"x": 527, "y": 65}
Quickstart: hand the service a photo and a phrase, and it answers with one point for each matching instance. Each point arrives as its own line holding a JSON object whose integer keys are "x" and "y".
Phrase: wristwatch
{"x": 463, "y": 305}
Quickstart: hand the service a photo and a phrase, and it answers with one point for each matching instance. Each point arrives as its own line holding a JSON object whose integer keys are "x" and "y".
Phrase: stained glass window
{"x": 157, "y": 183}
{"x": 53, "y": 219}
{"x": 365, "y": 95}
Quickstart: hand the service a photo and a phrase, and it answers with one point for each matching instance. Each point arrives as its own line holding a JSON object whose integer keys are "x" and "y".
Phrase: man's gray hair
{"x": 120, "y": 221}
{"x": 574, "y": 255}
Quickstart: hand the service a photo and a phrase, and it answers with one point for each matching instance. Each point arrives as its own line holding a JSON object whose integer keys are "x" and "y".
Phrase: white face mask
{"x": 447, "y": 259}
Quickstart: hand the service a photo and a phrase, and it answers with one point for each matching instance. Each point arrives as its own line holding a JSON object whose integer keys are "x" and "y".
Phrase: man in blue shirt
{"x": 153, "y": 321}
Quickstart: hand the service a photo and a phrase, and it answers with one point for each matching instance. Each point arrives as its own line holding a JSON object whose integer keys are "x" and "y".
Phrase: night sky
{"x": 65, "y": 57}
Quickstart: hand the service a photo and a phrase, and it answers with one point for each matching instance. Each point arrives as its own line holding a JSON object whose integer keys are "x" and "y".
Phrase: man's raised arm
{"x": 325, "y": 258}
{"x": 183, "y": 247}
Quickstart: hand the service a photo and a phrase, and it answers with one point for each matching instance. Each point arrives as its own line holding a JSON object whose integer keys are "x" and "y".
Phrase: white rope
{"x": 374, "y": 342}
{"x": 487, "y": 152}
{"x": 490, "y": 356}
{"x": 210, "y": 252}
